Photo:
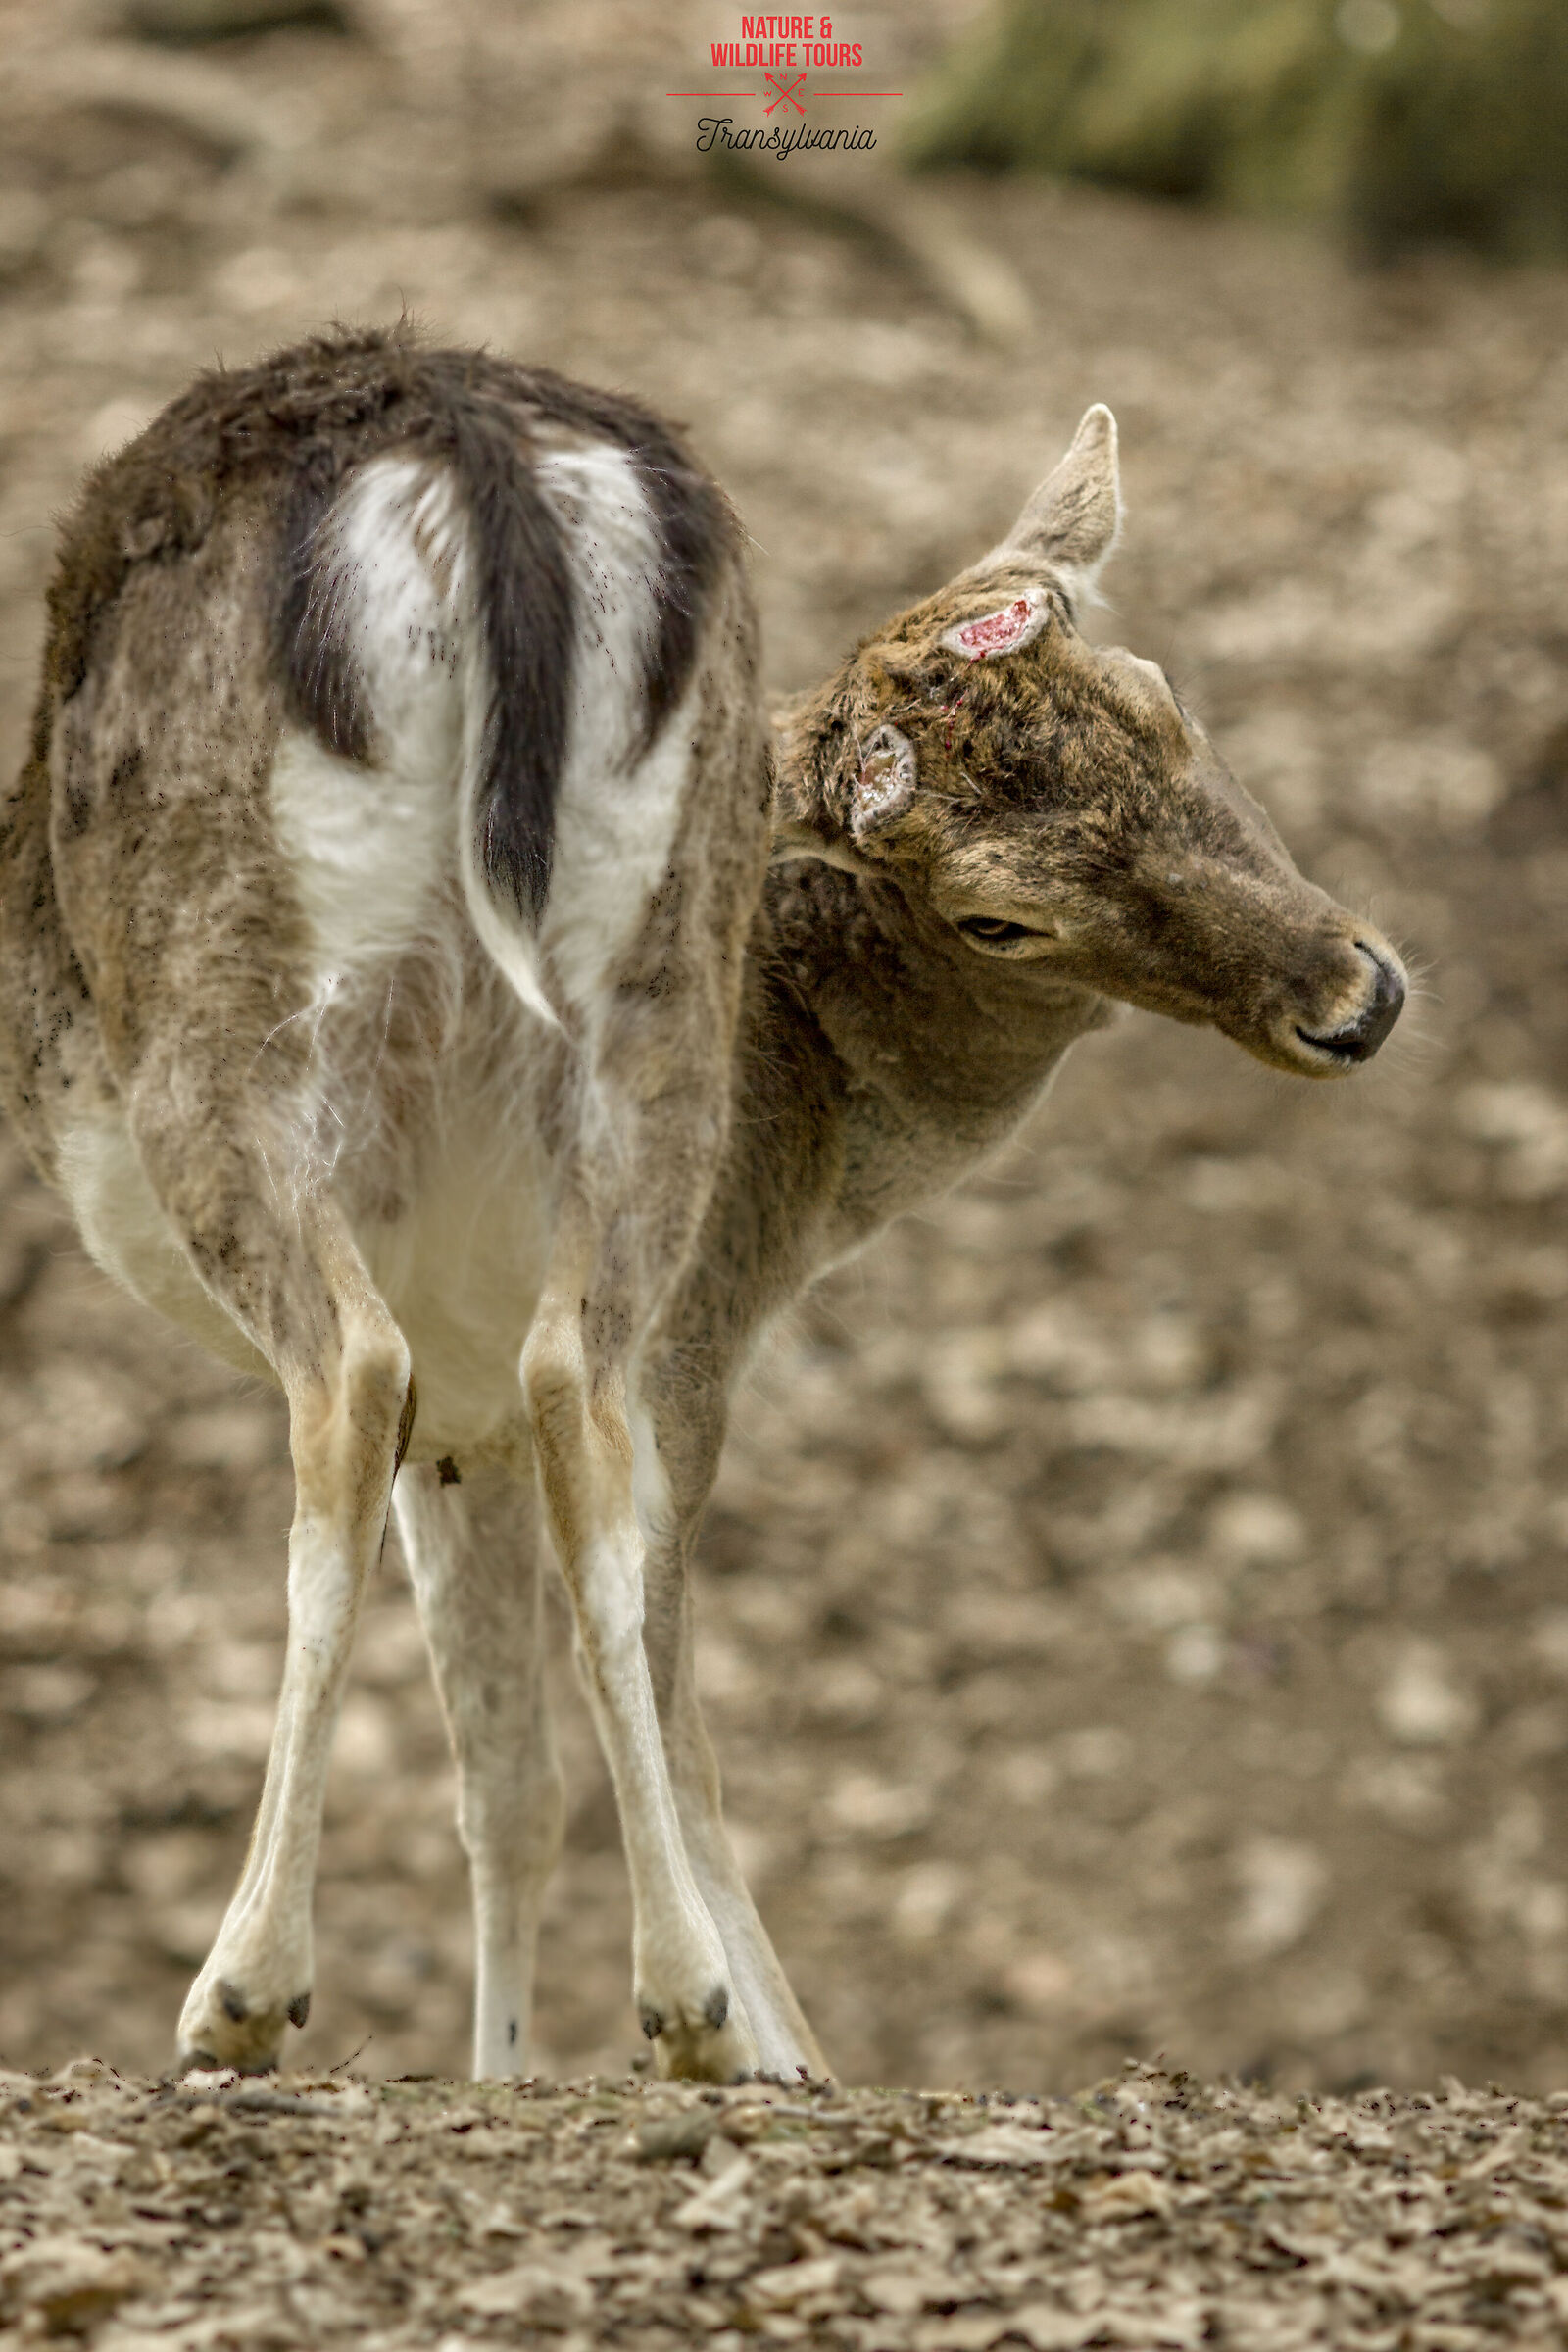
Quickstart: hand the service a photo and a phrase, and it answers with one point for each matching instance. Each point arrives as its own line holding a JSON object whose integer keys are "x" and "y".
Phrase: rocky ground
{"x": 1149, "y": 2211}
{"x": 1134, "y": 1618}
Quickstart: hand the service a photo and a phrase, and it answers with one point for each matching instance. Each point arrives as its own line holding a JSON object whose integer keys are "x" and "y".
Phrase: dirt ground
{"x": 1134, "y": 1619}
{"x": 1147, "y": 2212}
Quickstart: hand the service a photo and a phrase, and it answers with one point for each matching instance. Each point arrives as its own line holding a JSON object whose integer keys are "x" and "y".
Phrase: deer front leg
{"x": 471, "y": 1559}
{"x": 683, "y": 1391}
{"x": 786, "y": 2046}
{"x": 689, "y": 1417}
{"x": 574, "y": 1383}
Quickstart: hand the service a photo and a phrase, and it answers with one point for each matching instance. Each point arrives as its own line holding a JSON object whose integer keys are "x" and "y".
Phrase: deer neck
{"x": 879, "y": 1060}
{"x": 937, "y": 1052}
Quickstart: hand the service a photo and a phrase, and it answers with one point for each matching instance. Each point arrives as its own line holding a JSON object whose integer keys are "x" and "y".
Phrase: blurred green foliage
{"x": 1398, "y": 121}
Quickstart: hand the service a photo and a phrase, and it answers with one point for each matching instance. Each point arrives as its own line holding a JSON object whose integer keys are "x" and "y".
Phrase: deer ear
{"x": 885, "y": 786}
{"x": 1073, "y": 518}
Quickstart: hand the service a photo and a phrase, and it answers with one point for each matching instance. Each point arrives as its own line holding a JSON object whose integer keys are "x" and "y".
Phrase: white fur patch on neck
{"x": 1004, "y": 632}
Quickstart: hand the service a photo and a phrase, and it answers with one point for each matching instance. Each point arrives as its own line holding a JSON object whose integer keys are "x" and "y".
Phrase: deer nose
{"x": 1360, "y": 1039}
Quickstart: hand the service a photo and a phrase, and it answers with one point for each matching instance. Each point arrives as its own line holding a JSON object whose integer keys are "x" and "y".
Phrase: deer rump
{"x": 479, "y": 597}
{"x": 510, "y": 595}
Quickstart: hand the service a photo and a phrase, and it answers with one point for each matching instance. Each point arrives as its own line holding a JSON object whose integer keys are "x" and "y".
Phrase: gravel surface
{"x": 1134, "y": 1618}
{"x": 1149, "y": 2211}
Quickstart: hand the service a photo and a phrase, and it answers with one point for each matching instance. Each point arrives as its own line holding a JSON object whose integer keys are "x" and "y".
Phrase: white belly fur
{"x": 462, "y": 1273}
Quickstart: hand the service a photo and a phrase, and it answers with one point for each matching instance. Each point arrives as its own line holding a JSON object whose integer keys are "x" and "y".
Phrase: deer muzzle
{"x": 1231, "y": 935}
{"x": 1357, "y": 1038}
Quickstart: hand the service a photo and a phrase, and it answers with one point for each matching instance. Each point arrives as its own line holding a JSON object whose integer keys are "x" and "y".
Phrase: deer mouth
{"x": 1357, "y": 1041}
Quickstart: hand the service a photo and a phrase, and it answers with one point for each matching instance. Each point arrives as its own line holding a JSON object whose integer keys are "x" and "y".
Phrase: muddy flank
{"x": 1149, "y": 2211}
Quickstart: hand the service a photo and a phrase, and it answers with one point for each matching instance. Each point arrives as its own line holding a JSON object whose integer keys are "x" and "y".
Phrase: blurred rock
{"x": 72, "y": 1418}
{"x": 1282, "y": 1884}
{"x": 1420, "y": 1704}
{"x": 1528, "y": 1123}
{"x": 191, "y": 95}
{"x": 24, "y": 224}
{"x": 1407, "y": 1792}
{"x": 46, "y": 1694}
{"x": 1195, "y": 1655}
{"x": 874, "y": 1809}
{"x": 230, "y": 1438}
{"x": 1257, "y": 1530}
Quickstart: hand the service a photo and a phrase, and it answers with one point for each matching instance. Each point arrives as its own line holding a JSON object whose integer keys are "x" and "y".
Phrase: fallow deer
{"x": 392, "y": 985}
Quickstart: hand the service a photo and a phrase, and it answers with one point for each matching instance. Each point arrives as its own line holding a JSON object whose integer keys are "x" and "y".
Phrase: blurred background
{"x": 1134, "y": 1616}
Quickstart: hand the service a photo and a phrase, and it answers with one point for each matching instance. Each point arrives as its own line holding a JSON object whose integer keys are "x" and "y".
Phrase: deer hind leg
{"x": 472, "y": 1562}
{"x": 574, "y": 1371}
{"x": 282, "y": 1263}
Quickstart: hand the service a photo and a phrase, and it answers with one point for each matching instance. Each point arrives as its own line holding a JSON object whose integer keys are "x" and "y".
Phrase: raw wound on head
{"x": 999, "y": 632}
{"x": 885, "y": 785}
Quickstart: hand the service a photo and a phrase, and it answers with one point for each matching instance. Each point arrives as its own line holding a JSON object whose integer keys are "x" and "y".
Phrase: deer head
{"x": 1053, "y": 805}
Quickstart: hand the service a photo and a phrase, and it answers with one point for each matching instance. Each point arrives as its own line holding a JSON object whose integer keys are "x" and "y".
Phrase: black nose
{"x": 1388, "y": 1001}
{"x": 1360, "y": 1039}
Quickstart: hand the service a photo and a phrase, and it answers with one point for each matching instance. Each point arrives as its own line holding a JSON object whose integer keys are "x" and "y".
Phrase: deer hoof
{"x": 224, "y": 2023}
{"x": 705, "y": 2041}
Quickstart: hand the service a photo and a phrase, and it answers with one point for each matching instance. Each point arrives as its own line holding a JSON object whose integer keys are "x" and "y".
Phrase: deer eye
{"x": 994, "y": 932}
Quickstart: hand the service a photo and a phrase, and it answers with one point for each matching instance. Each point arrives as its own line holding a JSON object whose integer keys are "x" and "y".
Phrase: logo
{"x": 782, "y": 58}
